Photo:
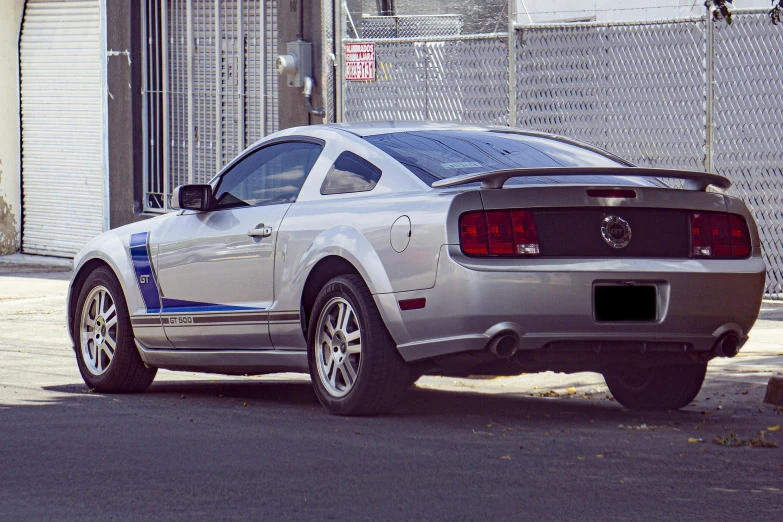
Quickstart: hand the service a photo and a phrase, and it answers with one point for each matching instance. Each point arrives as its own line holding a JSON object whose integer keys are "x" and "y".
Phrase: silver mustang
{"x": 370, "y": 254}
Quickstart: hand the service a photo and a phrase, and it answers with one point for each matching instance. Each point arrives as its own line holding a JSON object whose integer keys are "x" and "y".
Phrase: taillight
{"x": 719, "y": 235}
{"x": 498, "y": 233}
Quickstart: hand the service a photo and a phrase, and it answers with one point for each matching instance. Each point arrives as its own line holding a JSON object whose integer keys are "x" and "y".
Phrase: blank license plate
{"x": 626, "y": 303}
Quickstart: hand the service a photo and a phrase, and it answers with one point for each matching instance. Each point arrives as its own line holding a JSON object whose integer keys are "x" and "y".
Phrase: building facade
{"x": 106, "y": 105}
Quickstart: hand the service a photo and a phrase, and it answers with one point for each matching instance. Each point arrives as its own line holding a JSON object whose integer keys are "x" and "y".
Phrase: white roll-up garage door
{"x": 62, "y": 137}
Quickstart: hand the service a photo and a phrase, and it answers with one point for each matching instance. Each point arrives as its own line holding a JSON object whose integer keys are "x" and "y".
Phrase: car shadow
{"x": 297, "y": 397}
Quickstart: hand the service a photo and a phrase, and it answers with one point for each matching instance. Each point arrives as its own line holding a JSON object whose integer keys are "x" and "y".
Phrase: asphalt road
{"x": 212, "y": 447}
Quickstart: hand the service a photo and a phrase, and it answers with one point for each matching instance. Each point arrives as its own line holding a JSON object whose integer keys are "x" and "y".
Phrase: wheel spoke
{"x": 353, "y": 336}
{"x": 333, "y": 375}
{"x": 109, "y": 352}
{"x": 108, "y": 313}
{"x": 348, "y": 365}
{"x": 101, "y": 302}
{"x": 329, "y": 365}
{"x": 353, "y": 348}
{"x": 346, "y": 319}
{"x": 325, "y": 339}
{"x": 110, "y": 342}
{"x": 93, "y": 305}
{"x": 330, "y": 326}
{"x": 340, "y": 315}
{"x": 346, "y": 376}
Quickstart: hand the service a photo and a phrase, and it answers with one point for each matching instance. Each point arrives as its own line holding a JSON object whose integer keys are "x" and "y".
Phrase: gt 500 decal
{"x": 180, "y": 320}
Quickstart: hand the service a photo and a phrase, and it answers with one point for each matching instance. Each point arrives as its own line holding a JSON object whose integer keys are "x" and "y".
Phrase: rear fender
{"x": 350, "y": 244}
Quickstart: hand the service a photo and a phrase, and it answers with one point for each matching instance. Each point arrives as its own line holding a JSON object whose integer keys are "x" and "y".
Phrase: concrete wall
{"x": 10, "y": 155}
{"x": 123, "y": 53}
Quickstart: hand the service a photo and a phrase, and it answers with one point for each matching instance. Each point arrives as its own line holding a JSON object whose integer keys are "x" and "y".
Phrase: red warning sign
{"x": 360, "y": 61}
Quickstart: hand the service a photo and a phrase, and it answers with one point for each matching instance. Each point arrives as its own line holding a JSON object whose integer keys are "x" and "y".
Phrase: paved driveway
{"x": 211, "y": 447}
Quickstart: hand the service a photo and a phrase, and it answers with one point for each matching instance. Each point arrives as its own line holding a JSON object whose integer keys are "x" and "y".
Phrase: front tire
{"x": 656, "y": 388}
{"x": 355, "y": 367}
{"x": 105, "y": 352}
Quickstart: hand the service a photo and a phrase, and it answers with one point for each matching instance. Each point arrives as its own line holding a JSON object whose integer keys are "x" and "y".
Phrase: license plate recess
{"x": 625, "y": 303}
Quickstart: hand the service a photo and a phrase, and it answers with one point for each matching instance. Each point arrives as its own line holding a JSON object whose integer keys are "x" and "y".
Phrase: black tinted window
{"x": 350, "y": 173}
{"x": 436, "y": 155}
{"x": 270, "y": 175}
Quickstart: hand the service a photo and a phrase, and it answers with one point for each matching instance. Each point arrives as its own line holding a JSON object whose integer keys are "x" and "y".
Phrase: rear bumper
{"x": 550, "y": 303}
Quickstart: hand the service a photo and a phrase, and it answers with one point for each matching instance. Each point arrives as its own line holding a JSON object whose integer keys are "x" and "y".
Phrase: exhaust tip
{"x": 728, "y": 345}
{"x": 504, "y": 345}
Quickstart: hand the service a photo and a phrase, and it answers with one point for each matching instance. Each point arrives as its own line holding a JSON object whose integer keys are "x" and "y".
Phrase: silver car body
{"x": 205, "y": 296}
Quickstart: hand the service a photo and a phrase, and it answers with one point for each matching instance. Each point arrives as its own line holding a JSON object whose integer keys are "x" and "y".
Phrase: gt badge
{"x": 616, "y": 231}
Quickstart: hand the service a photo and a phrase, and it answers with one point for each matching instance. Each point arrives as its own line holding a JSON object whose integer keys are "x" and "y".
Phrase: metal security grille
{"x": 413, "y": 26}
{"x": 61, "y": 93}
{"x": 639, "y": 89}
{"x": 210, "y": 88}
{"x": 445, "y": 80}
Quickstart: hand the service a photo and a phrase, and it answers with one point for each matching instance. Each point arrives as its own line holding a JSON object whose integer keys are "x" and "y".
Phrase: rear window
{"x": 436, "y": 155}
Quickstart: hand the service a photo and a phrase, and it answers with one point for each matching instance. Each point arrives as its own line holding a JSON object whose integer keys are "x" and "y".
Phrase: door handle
{"x": 260, "y": 231}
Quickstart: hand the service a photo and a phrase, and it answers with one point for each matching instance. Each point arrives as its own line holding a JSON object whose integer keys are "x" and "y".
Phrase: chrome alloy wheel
{"x": 98, "y": 329}
{"x": 338, "y": 349}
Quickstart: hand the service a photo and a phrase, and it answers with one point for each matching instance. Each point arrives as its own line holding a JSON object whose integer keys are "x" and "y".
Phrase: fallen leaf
{"x": 506, "y": 457}
{"x": 599, "y": 456}
{"x": 734, "y": 441}
{"x": 535, "y": 387}
{"x": 705, "y": 412}
{"x": 774, "y": 428}
{"x": 582, "y": 458}
{"x": 695, "y": 441}
{"x": 116, "y": 400}
{"x": 571, "y": 390}
{"x": 244, "y": 404}
{"x": 719, "y": 407}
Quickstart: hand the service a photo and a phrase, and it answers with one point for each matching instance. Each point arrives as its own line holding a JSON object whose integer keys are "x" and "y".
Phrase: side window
{"x": 350, "y": 173}
{"x": 273, "y": 174}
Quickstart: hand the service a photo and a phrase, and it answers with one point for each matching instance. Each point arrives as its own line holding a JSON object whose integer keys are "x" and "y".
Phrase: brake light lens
{"x": 510, "y": 233}
{"x": 719, "y": 235}
{"x": 612, "y": 193}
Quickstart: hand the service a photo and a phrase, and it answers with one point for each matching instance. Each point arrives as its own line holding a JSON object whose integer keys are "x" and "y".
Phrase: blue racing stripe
{"x": 181, "y": 306}
{"x": 140, "y": 257}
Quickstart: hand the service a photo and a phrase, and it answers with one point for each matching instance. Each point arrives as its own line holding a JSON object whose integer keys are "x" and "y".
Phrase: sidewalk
{"x": 28, "y": 263}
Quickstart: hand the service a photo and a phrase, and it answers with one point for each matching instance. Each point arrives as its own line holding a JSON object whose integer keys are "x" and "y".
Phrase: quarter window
{"x": 271, "y": 175}
{"x": 350, "y": 173}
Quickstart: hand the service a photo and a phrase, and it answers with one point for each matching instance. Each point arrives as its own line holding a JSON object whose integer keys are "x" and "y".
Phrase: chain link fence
{"x": 748, "y": 143}
{"x": 462, "y": 80}
{"x": 637, "y": 89}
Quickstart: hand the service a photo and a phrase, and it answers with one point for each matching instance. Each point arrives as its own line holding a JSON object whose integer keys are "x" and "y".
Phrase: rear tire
{"x": 105, "y": 350}
{"x": 355, "y": 367}
{"x": 656, "y": 388}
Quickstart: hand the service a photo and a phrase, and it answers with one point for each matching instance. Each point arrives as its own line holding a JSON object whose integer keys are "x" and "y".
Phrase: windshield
{"x": 436, "y": 155}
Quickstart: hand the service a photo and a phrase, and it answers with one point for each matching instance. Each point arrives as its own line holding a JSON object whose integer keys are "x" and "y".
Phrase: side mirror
{"x": 192, "y": 197}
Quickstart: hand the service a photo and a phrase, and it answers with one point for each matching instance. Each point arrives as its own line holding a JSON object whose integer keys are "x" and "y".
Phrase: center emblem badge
{"x": 616, "y": 231}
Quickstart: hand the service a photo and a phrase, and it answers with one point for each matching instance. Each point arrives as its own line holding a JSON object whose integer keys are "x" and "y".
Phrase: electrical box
{"x": 297, "y": 64}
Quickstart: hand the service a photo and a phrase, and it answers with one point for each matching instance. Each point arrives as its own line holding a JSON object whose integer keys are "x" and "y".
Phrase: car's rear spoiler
{"x": 497, "y": 178}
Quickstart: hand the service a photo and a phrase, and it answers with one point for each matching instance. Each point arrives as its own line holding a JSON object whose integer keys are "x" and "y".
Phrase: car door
{"x": 216, "y": 268}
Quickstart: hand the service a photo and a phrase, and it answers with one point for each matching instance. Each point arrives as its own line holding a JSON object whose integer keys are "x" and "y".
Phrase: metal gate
{"x": 210, "y": 88}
